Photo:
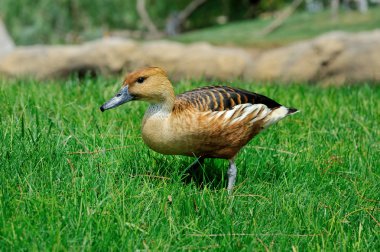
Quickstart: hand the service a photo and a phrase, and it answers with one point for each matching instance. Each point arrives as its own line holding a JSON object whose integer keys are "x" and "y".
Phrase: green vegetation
{"x": 298, "y": 27}
{"x": 74, "y": 178}
{"x": 46, "y": 21}
{"x": 68, "y": 21}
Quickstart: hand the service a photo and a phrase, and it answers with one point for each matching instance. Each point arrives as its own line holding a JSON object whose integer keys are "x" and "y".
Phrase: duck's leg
{"x": 232, "y": 171}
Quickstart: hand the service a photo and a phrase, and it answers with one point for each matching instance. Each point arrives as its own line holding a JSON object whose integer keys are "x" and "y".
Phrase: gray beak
{"x": 122, "y": 97}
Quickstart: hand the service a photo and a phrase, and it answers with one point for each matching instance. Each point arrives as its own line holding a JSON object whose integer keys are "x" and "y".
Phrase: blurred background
{"x": 73, "y": 21}
{"x": 251, "y": 25}
{"x": 75, "y": 179}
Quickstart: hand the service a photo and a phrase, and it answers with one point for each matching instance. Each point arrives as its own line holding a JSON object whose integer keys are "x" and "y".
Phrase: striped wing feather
{"x": 219, "y": 98}
{"x": 228, "y": 119}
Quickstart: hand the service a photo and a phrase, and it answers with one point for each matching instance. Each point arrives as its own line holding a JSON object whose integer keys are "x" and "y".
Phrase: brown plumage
{"x": 218, "y": 134}
{"x": 208, "y": 122}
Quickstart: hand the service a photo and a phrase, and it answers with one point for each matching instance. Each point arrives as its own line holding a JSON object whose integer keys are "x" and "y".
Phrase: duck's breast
{"x": 176, "y": 134}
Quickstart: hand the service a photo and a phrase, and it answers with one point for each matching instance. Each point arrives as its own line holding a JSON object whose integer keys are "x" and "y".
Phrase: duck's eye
{"x": 140, "y": 79}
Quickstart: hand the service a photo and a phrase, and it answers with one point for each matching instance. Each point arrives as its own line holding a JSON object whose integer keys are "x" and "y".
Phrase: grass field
{"x": 299, "y": 26}
{"x": 73, "y": 178}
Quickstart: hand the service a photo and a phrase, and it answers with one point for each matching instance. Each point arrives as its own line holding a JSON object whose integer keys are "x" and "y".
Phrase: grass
{"x": 299, "y": 26}
{"x": 73, "y": 178}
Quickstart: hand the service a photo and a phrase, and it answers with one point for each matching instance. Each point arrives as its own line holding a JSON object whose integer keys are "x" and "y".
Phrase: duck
{"x": 207, "y": 122}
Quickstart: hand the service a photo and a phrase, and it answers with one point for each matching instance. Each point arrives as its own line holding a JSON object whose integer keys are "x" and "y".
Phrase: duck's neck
{"x": 158, "y": 109}
{"x": 163, "y": 107}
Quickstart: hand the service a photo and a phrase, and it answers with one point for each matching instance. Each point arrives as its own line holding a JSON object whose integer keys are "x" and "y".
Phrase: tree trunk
{"x": 334, "y": 8}
{"x": 6, "y": 42}
{"x": 362, "y": 5}
{"x": 175, "y": 21}
{"x": 147, "y": 22}
{"x": 281, "y": 18}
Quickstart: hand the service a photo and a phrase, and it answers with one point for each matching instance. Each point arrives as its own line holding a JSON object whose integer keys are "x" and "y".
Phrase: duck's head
{"x": 149, "y": 84}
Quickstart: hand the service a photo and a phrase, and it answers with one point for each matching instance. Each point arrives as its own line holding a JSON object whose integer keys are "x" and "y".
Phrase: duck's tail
{"x": 277, "y": 114}
{"x": 292, "y": 111}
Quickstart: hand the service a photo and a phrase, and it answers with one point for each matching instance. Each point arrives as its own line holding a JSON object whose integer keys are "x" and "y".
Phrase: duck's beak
{"x": 122, "y": 97}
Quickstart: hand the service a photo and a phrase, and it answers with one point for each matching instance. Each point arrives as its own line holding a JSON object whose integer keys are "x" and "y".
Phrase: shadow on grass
{"x": 213, "y": 174}
{"x": 210, "y": 174}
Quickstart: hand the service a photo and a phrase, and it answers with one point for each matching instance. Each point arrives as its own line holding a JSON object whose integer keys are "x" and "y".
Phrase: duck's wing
{"x": 220, "y": 98}
{"x": 218, "y": 121}
{"x": 226, "y": 106}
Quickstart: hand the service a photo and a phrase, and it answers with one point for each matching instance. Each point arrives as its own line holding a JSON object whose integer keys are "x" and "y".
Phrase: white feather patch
{"x": 275, "y": 116}
{"x": 258, "y": 111}
{"x": 216, "y": 114}
{"x": 229, "y": 113}
{"x": 247, "y": 109}
{"x": 239, "y": 113}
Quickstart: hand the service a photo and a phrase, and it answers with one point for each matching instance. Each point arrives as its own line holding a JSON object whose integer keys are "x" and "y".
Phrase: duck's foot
{"x": 232, "y": 171}
{"x": 192, "y": 171}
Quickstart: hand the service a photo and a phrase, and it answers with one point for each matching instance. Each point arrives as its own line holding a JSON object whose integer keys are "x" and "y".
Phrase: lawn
{"x": 73, "y": 178}
{"x": 300, "y": 26}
